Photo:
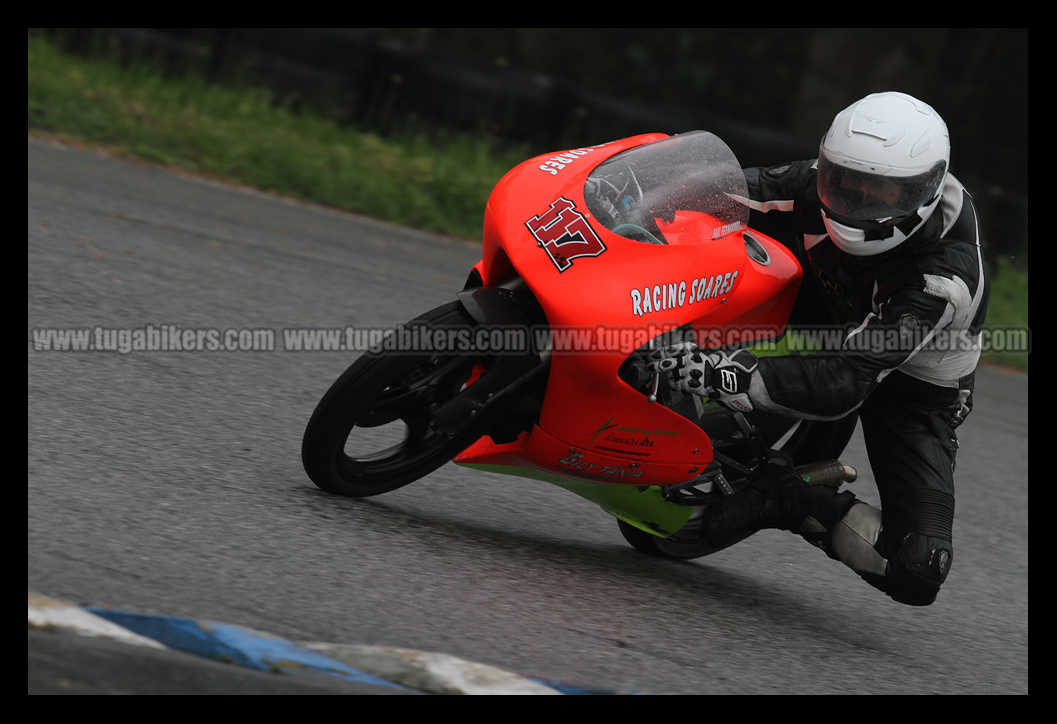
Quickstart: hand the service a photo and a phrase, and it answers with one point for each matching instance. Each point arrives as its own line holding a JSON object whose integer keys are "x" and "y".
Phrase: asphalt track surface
{"x": 170, "y": 482}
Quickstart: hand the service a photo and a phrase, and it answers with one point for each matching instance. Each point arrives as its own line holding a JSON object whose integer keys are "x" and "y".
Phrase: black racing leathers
{"x": 917, "y": 309}
{"x": 908, "y": 322}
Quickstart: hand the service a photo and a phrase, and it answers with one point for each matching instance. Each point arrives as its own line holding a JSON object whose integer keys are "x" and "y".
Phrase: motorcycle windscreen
{"x": 686, "y": 189}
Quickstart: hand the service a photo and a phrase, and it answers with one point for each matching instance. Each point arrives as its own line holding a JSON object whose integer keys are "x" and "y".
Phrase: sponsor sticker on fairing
{"x": 672, "y": 295}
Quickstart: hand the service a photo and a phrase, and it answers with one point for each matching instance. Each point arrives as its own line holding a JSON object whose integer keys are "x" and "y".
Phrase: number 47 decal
{"x": 564, "y": 234}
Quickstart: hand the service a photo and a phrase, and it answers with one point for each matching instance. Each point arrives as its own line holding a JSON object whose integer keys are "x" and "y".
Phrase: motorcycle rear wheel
{"x": 684, "y": 545}
{"x": 371, "y": 432}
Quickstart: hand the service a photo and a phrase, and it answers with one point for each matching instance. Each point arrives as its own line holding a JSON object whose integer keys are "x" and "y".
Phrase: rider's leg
{"x": 905, "y": 551}
{"x": 912, "y": 448}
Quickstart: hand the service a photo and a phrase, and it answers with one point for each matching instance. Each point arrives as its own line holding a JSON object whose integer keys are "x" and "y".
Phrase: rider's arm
{"x": 830, "y": 384}
{"x": 782, "y": 200}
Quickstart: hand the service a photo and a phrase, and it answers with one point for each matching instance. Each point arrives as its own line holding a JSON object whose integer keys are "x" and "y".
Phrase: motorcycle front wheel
{"x": 371, "y": 432}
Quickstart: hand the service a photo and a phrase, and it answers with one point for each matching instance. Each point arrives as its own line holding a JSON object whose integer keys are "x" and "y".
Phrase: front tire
{"x": 371, "y": 432}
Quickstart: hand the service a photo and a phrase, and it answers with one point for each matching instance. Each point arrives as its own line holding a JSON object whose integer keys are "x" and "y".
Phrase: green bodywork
{"x": 641, "y": 506}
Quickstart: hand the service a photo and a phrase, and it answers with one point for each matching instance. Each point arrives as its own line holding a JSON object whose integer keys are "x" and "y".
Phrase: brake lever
{"x": 652, "y": 397}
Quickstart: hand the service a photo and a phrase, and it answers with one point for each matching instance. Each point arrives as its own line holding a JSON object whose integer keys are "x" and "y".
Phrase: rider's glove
{"x": 721, "y": 376}
{"x": 731, "y": 375}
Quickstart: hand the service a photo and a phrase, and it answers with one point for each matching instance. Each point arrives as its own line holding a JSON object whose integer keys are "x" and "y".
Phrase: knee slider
{"x": 916, "y": 569}
{"x": 920, "y": 560}
{"x": 925, "y": 558}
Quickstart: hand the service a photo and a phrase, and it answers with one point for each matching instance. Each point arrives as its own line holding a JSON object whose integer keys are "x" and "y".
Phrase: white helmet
{"x": 881, "y": 169}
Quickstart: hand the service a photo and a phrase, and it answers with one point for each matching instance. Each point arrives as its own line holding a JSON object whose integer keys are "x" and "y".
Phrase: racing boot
{"x": 776, "y": 497}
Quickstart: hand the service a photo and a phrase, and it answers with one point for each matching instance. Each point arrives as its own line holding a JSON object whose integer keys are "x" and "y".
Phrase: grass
{"x": 1008, "y": 309}
{"x": 240, "y": 135}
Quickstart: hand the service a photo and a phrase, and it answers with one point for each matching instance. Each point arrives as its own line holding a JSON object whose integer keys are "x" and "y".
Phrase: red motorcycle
{"x": 592, "y": 258}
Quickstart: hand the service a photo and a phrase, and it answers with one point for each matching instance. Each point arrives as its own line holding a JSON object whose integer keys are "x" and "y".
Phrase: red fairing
{"x": 608, "y": 294}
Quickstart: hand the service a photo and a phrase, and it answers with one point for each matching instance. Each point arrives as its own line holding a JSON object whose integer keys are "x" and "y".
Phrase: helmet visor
{"x": 863, "y": 196}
